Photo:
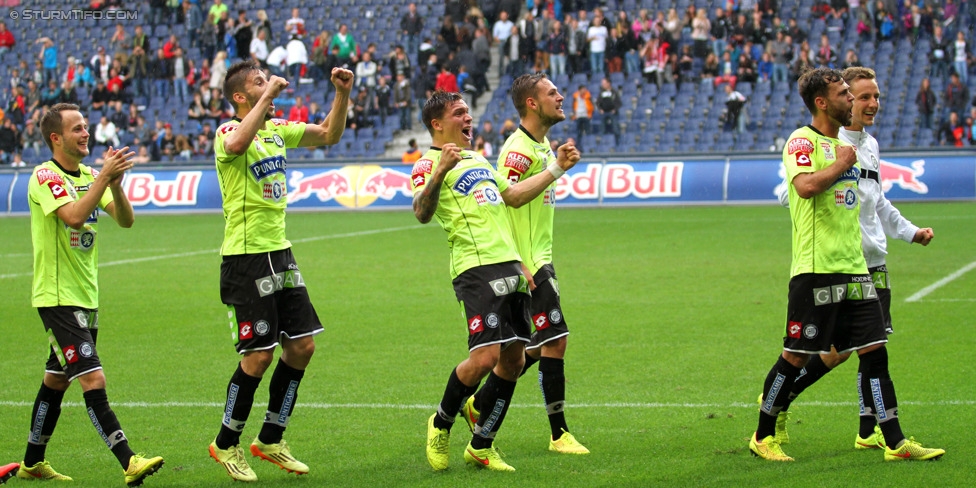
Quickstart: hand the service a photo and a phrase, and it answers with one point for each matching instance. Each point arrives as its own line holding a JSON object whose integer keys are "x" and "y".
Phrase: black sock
{"x": 552, "y": 380}
{"x": 44, "y": 418}
{"x": 455, "y": 394}
{"x": 495, "y": 401}
{"x": 103, "y": 418}
{"x": 281, "y": 402}
{"x": 878, "y": 393}
{"x": 776, "y": 390}
{"x": 813, "y": 371}
{"x": 529, "y": 361}
{"x": 240, "y": 398}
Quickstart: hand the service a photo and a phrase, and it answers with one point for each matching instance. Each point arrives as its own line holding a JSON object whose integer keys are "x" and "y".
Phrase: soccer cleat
{"x": 470, "y": 414}
{"x": 782, "y": 436}
{"x": 438, "y": 445}
{"x": 279, "y": 455}
{"x": 232, "y": 459}
{"x": 567, "y": 444}
{"x": 487, "y": 458}
{"x": 912, "y": 451}
{"x": 141, "y": 467}
{"x": 874, "y": 441}
{"x": 41, "y": 471}
{"x": 769, "y": 449}
{"x": 8, "y": 471}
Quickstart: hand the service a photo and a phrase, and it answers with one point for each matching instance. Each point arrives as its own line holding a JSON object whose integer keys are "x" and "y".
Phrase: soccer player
{"x": 832, "y": 298}
{"x": 259, "y": 279}
{"x": 65, "y": 197}
{"x": 878, "y": 219}
{"x": 468, "y": 198}
{"x": 527, "y": 153}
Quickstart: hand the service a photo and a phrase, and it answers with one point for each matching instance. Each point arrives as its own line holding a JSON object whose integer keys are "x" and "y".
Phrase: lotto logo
{"x": 246, "y": 331}
{"x": 475, "y": 325}
{"x": 540, "y": 321}
{"x": 70, "y": 355}
{"x": 793, "y": 329}
{"x": 57, "y": 190}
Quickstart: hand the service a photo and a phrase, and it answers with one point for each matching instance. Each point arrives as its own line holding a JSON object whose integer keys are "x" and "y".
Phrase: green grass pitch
{"x": 676, "y": 316}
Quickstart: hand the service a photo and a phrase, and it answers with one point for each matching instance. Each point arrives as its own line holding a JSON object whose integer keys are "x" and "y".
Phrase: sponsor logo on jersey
{"x": 45, "y": 175}
{"x": 261, "y": 327}
{"x": 471, "y": 178}
{"x": 274, "y": 191}
{"x": 82, "y": 319}
{"x": 246, "y": 331}
{"x": 280, "y": 122}
{"x": 268, "y": 166}
{"x": 540, "y": 321}
{"x": 475, "y": 325}
{"x": 279, "y": 281}
{"x": 57, "y": 190}
{"x": 228, "y": 127}
{"x": 852, "y": 174}
{"x": 421, "y": 169}
{"x": 517, "y": 162}
{"x": 793, "y": 329}
{"x": 487, "y": 196}
{"x": 828, "y": 151}
{"x": 799, "y": 145}
{"x": 70, "y": 356}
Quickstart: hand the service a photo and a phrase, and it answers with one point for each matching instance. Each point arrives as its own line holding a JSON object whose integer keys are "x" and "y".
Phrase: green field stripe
{"x": 417, "y": 406}
{"x": 939, "y": 284}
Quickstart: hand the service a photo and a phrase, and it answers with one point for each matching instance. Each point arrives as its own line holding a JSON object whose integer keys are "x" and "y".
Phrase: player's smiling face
{"x": 549, "y": 103}
{"x": 456, "y": 124}
{"x": 74, "y": 135}
{"x": 839, "y": 103}
{"x": 867, "y": 102}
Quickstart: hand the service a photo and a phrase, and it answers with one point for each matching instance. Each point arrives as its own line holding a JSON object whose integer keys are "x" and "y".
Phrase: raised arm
{"x": 527, "y": 190}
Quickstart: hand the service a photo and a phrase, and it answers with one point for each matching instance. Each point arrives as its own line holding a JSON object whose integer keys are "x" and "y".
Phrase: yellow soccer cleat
{"x": 769, "y": 449}
{"x": 874, "y": 441}
{"x": 912, "y": 451}
{"x": 438, "y": 445}
{"x": 141, "y": 467}
{"x": 470, "y": 414}
{"x": 232, "y": 459}
{"x": 280, "y": 455}
{"x": 567, "y": 444}
{"x": 41, "y": 471}
{"x": 487, "y": 458}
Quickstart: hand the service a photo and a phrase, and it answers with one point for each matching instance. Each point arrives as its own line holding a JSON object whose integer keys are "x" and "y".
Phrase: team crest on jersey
{"x": 275, "y": 191}
{"x": 471, "y": 178}
{"x": 276, "y": 139}
{"x": 268, "y": 166}
{"x": 846, "y": 196}
{"x": 421, "y": 169}
{"x": 82, "y": 240}
{"x": 828, "y": 150}
{"x": 549, "y": 197}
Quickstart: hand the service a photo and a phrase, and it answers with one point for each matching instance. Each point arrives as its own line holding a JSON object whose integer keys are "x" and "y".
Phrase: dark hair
{"x": 523, "y": 88}
{"x": 436, "y": 105}
{"x": 236, "y": 79}
{"x": 814, "y": 83}
{"x": 53, "y": 123}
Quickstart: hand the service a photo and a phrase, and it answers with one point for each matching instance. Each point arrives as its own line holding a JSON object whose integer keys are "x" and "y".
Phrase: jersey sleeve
{"x": 107, "y": 197}
{"x": 48, "y": 189}
{"x": 420, "y": 174}
{"x": 220, "y": 154}
{"x": 291, "y": 132}
{"x": 798, "y": 154}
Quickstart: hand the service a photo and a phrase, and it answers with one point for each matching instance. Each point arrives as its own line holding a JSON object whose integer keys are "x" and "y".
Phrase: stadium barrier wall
{"x": 597, "y": 182}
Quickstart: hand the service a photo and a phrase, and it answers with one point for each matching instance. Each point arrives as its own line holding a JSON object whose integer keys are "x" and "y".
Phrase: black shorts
{"x": 71, "y": 331}
{"x": 880, "y": 276}
{"x": 833, "y": 309}
{"x": 548, "y": 321}
{"x": 266, "y": 296}
{"x": 495, "y": 302}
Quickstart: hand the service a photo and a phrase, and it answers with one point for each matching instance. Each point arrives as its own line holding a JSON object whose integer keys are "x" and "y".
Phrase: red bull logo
{"x": 325, "y": 186}
{"x": 143, "y": 189}
{"x": 386, "y": 184}
{"x": 906, "y": 177}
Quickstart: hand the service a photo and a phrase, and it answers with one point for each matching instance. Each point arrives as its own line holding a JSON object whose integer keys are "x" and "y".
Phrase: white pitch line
{"x": 395, "y": 406}
{"x": 211, "y": 251}
{"x": 939, "y": 284}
